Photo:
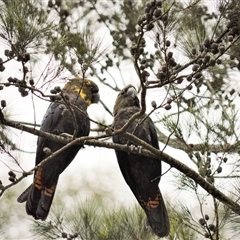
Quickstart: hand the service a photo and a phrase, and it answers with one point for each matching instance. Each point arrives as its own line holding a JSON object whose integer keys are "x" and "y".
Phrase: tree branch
{"x": 175, "y": 143}
{"x": 148, "y": 151}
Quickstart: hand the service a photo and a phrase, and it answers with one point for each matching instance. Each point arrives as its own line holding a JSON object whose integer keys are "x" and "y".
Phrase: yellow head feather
{"x": 81, "y": 87}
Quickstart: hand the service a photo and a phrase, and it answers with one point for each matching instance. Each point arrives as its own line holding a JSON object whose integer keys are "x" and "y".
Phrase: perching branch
{"x": 147, "y": 150}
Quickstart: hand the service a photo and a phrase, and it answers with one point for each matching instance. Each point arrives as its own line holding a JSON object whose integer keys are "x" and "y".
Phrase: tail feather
{"x": 38, "y": 197}
{"x": 24, "y": 196}
{"x": 158, "y": 219}
{"x": 45, "y": 202}
{"x": 33, "y": 201}
{"x": 38, "y": 202}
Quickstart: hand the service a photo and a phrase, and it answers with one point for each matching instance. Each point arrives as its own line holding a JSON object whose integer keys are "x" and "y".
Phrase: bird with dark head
{"x": 141, "y": 173}
{"x": 66, "y": 116}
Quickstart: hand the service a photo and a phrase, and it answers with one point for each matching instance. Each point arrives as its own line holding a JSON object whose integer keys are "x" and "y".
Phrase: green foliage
{"x": 88, "y": 220}
{"x": 182, "y": 225}
{"x": 23, "y": 26}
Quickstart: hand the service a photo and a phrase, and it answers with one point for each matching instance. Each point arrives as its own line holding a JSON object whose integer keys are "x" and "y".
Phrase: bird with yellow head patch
{"x": 66, "y": 116}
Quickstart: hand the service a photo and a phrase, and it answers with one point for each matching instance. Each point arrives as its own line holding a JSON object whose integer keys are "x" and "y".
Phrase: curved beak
{"x": 131, "y": 91}
{"x": 95, "y": 97}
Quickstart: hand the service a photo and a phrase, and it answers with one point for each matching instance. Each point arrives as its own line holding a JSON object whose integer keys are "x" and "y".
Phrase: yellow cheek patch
{"x": 84, "y": 96}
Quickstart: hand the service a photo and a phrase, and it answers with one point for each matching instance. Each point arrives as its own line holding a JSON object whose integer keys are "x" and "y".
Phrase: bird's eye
{"x": 93, "y": 90}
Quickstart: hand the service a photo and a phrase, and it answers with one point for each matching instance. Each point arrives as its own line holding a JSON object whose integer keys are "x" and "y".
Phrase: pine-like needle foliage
{"x": 23, "y": 25}
{"x": 89, "y": 221}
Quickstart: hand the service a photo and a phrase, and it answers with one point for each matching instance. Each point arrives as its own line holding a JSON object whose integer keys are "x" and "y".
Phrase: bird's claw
{"x": 136, "y": 148}
{"x": 47, "y": 151}
{"x": 132, "y": 147}
{"x": 139, "y": 149}
{"x": 67, "y": 136}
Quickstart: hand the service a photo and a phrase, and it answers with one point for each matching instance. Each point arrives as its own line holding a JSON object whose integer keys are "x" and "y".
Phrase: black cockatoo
{"x": 67, "y": 116}
{"x": 141, "y": 173}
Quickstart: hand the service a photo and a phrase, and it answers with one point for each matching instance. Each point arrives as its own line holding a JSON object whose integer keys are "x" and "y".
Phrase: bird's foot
{"x": 67, "y": 136}
{"x": 132, "y": 147}
{"x": 136, "y": 148}
{"x": 47, "y": 151}
{"x": 139, "y": 149}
